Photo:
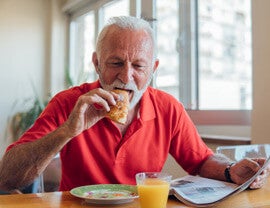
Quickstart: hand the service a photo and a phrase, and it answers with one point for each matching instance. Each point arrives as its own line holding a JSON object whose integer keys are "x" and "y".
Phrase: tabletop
{"x": 248, "y": 198}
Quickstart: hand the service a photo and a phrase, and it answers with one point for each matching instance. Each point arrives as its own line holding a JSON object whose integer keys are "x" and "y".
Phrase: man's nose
{"x": 126, "y": 74}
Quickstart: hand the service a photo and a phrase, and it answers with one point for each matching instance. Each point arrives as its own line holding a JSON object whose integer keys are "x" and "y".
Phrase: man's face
{"x": 126, "y": 62}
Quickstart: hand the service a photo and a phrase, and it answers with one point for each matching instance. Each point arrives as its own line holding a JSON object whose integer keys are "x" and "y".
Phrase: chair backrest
{"x": 53, "y": 180}
{"x": 36, "y": 187}
{"x": 238, "y": 152}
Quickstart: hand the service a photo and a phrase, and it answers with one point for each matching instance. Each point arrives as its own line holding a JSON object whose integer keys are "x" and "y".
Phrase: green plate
{"x": 106, "y": 193}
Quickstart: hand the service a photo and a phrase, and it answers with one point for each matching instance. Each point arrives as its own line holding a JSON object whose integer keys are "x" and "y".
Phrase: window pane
{"x": 116, "y": 8}
{"x": 167, "y": 34}
{"x": 225, "y": 65}
{"x": 82, "y": 43}
{"x": 89, "y": 37}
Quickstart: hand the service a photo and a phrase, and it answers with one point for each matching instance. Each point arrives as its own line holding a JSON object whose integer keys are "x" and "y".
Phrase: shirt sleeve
{"x": 187, "y": 147}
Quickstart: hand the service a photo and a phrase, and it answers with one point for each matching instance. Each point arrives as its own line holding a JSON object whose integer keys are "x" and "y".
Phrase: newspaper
{"x": 201, "y": 192}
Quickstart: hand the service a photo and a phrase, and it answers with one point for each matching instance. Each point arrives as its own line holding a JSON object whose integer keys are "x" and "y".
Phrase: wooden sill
{"x": 220, "y": 117}
{"x": 225, "y": 140}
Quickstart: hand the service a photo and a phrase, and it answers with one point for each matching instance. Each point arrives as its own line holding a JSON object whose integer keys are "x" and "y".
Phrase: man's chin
{"x": 137, "y": 96}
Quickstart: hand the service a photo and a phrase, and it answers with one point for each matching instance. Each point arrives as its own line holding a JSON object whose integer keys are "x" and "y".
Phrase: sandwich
{"x": 119, "y": 112}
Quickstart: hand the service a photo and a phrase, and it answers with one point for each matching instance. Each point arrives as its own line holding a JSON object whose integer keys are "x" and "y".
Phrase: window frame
{"x": 189, "y": 71}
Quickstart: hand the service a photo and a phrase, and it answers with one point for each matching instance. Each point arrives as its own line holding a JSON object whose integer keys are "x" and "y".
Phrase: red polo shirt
{"x": 101, "y": 155}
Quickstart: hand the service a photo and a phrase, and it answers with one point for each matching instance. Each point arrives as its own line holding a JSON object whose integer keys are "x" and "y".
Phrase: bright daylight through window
{"x": 206, "y": 61}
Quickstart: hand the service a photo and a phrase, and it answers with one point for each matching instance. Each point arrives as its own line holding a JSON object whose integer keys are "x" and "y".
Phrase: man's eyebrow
{"x": 117, "y": 58}
{"x": 114, "y": 58}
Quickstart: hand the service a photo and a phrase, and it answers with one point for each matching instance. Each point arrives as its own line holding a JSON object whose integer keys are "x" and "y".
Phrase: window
{"x": 116, "y": 8}
{"x": 168, "y": 26}
{"x": 224, "y": 55}
{"x": 209, "y": 55}
{"x": 82, "y": 43}
{"x": 213, "y": 51}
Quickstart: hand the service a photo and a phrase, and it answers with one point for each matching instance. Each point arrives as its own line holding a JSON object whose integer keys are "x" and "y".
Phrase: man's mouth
{"x": 130, "y": 92}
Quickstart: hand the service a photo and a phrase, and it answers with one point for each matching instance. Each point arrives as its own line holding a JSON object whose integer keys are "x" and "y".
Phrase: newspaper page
{"x": 199, "y": 191}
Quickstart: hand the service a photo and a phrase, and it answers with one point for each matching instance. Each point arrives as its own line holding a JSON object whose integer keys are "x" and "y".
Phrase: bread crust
{"x": 119, "y": 112}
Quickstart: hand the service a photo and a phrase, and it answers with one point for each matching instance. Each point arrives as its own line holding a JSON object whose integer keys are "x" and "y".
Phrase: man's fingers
{"x": 101, "y": 99}
{"x": 252, "y": 164}
{"x": 256, "y": 184}
{"x": 260, "y": 161}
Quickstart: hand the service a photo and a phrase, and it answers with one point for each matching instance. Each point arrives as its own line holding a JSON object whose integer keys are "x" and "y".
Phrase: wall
{"x": 261, "y": 75}
{"x": 26, "y": 35}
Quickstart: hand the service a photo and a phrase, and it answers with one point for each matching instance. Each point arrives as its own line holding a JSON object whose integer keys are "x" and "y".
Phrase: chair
{"x": 52, "y": 175}
{"x": 238, "y": 152}
{"x": 36, "y": 187}
{"x": 49, "y": 180}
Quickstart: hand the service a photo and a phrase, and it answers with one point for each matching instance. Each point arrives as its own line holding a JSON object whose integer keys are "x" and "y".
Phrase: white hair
{"x": 127, "y": 22}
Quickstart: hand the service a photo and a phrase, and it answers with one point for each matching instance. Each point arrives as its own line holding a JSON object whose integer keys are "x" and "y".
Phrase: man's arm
{"x": 23, "y": 163}
{"x": 214, "y": 167}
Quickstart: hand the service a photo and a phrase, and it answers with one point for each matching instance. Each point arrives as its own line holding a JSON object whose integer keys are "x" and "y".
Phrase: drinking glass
{"x": 153, "y": 189}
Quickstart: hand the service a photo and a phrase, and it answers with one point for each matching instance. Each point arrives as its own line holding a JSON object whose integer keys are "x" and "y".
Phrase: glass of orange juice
{"x": 153, "y": 189}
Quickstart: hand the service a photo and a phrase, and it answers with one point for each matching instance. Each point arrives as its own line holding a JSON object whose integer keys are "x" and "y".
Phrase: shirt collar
{"x": 147, "y": 110}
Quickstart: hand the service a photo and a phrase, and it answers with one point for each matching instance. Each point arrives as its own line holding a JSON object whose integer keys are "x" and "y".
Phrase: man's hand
{"x": 89, "y": 109}
{"x": 240, "y": 172}
{"x": 244, "y": 169}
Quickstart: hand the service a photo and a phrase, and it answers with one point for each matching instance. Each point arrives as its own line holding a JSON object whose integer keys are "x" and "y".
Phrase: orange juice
{"x": 153, "y": 193}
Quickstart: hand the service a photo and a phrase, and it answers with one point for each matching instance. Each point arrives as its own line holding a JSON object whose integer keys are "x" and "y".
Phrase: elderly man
{"x": 94, "y": 149}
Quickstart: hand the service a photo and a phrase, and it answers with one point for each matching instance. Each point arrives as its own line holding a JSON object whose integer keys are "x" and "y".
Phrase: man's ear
{"x": 95, "y": 61}
{"x": 155, "y": 65}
